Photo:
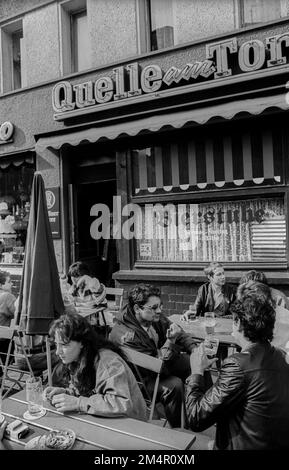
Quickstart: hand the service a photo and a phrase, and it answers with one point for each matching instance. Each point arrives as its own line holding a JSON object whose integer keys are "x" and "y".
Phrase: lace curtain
{"x": 223, "y": 231}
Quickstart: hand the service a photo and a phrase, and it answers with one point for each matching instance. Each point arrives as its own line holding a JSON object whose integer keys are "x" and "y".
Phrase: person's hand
{"x": 64, "y": 402}
{"x": 2, "y": 429}
{"x": 49, "y": 392}
{"x": 187, "y": 315}
{"x": 173, "y": 331}
{"x": 199, "y": 360}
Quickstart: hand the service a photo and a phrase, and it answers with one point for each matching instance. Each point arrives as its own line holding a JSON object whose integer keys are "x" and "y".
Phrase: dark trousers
{"x": 171, "y": 388}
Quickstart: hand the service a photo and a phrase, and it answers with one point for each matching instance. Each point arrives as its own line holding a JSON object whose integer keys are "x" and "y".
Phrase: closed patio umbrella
{"x": 40, "y": 299}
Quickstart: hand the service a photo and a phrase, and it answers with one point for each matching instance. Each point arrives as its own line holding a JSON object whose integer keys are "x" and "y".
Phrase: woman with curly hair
{"x": 100, "y": 381}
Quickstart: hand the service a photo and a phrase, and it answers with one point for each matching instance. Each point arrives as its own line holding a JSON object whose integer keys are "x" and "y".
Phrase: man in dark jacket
{"x": 143, "y": 327}
{"x": 249, "y": 401}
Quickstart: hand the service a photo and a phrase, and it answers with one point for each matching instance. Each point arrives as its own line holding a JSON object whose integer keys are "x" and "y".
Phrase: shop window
{"x": 15, "y": 189}
{"x": 75, "y": 40}
{"x": 260, "y": 11}
{"x": 233, "y": 231}
{"x": 12, "y": 72}
{"x": 199, "y": 175}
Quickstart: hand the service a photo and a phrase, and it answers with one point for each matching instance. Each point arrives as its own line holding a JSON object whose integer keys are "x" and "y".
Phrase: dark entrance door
{"x": 94, "y": 182}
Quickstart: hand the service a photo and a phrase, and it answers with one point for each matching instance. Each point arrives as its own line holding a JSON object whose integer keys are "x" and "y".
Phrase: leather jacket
{"x": 205, "y": 298}
{"x": 249, "y": 401}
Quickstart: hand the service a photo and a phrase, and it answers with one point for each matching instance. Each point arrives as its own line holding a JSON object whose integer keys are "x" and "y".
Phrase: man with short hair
{"x": 142, "y": 326}
{"x": 249, "y": 400}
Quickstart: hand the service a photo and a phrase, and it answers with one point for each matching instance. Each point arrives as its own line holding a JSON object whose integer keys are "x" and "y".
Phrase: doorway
{"x": 93, "y": 183}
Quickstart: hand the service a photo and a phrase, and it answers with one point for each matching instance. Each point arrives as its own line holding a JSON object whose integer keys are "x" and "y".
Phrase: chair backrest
{"x": 145, "y": 361}
{"x": 7, "y": 332}
{"x": 117, "y": 294}
{"x": 154, "y": 364}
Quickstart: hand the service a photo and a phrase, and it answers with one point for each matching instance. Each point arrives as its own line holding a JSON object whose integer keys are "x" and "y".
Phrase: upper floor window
{"x": 260, "y": 11}
{"x": 12, "y": 57}
{"x": 80, "y": 41}
{"x": 161, "y": 24}
{"x": 76, "y": 50}
{"x": 165, "y": 23}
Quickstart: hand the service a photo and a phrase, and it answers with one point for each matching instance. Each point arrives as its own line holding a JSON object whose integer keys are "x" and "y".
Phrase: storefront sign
{"x": 52, "y": 200}
{"x": 131, "y": 81}
{"x": 6, "y": 132}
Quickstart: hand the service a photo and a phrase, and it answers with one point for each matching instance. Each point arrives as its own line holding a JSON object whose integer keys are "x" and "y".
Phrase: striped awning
{"x": 158, "y": 122}
{"x": 210, "y": 160}
{"x": 18, "y": 160}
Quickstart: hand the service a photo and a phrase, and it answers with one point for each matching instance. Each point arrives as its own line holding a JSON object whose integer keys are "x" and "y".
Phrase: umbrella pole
{"x": 48, "y": 355}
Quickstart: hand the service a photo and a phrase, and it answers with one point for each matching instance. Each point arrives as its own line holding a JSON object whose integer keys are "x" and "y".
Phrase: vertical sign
{"x": 52, "y": 200}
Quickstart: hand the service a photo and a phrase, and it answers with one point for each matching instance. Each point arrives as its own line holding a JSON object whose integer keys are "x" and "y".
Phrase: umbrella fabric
{"x": 40, "y": 299}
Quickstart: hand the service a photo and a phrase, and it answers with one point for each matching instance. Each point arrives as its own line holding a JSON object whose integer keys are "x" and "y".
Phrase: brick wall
{"x": 177, "y": 297}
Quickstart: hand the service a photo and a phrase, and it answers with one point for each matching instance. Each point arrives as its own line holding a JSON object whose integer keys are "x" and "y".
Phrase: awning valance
{"x": 160, "y": 121}
{"x": 18, "y": 160}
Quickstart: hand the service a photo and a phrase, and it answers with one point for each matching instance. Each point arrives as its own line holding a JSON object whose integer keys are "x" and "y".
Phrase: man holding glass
{"x": 249, "y": 400}
{"x": 142, "y": 326}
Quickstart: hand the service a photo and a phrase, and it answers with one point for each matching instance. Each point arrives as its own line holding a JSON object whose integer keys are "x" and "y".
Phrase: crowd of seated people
{"x": 248, "y": 399}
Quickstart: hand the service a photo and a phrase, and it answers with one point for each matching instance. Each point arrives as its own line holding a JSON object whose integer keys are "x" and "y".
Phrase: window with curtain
{"x": 260, "y": 11}
{"x": 161, "y": 22}
{"x": 243, "y": 231}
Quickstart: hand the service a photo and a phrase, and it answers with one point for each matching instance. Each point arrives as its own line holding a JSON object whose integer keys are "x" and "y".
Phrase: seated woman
{"x": 215, "y": 295}
{"x": 85, "y": 289}
{"x": 100, "y": 381}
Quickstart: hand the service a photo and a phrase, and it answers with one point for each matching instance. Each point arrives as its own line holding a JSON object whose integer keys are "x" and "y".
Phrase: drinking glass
{"x": 210, "y": 322}
{"x": 211, "y": 345}
{"x": 34, "y": 396}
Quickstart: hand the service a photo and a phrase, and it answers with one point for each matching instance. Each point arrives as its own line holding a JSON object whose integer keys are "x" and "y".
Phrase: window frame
{"x": 67, "y": 10}
{"x": 243, "y": 24}
{"x": 7, "y": 78}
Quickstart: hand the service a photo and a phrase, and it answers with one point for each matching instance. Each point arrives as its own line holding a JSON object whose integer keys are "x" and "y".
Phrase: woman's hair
{"x": 3, "y": 276}
{"x": 261, "y": 291}
{"x": 140, "y": 294}
{"x": 78, "y": 269}
{"x": 253, "y": 275}
{"x": 210, "y": 269}
{"x": 73, "y": 327}
{"x": 257, "y": 317}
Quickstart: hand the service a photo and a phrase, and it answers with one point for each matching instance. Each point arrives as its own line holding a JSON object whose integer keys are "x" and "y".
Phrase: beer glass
{"x": 34, "y": 396}
{"x": 210, "y": 323}
{"x": 211, "y": 345}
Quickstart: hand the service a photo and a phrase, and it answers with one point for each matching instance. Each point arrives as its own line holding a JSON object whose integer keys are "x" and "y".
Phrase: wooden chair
{"x": 154, "y": 364}
{"x": 10, "y": 333}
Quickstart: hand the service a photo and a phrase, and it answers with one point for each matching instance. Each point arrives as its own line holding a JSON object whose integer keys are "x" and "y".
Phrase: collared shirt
{"x": 152, "y": 334}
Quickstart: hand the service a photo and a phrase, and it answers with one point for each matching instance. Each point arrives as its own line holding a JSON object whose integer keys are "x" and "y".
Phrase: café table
{"x": 196, "y": 328}
{"x": 98, "y": 433}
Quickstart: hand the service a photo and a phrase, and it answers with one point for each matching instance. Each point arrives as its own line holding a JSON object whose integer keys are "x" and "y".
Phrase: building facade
{"x": 160, "y": 130}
